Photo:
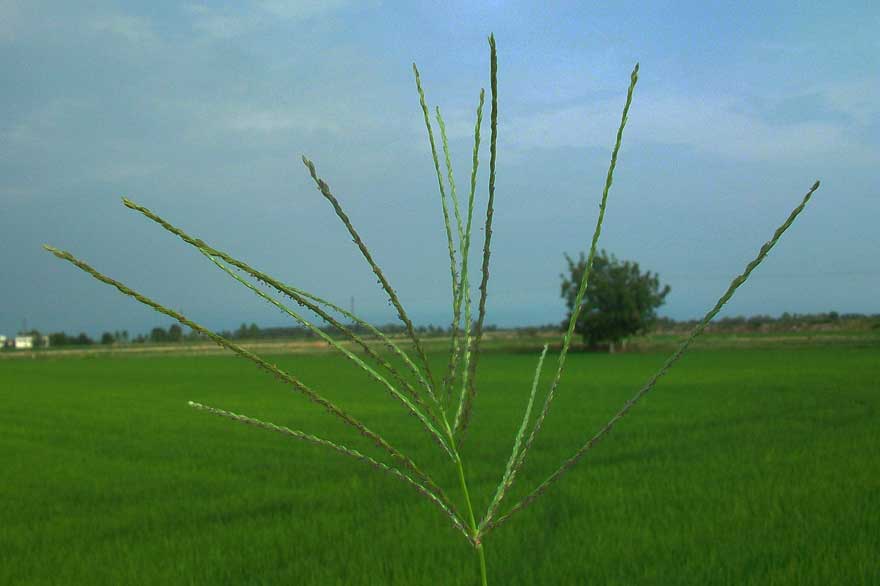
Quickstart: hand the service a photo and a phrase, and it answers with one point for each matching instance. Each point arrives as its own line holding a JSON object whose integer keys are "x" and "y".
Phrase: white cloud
{"x": 775, "y": 47}
{"x": 133, "y": 29}
{"x": 716, "y": 126}
{"x": 206, "y": 122}
{"x": 300, "y": 9}
{"x": 22, "y": 19}
{"x": 584, "y": 125}
{"x": 216, "y": 24}
{"x": 10, "y": 16}
{"x": 43, "y": 124}
{"x": 705, "y": 123}
{"x": 858, "y": 99}
{"x": 271, "y": 120}
{"x": 225, "y": 23}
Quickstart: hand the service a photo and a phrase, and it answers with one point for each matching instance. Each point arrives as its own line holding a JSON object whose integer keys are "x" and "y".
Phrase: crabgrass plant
{"x": 441, "y": 402}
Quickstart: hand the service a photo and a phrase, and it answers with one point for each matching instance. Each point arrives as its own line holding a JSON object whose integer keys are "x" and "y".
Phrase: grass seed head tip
{"x": 57, "y": 252}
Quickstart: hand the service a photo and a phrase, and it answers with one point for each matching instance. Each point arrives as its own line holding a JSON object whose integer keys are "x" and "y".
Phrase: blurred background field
{"x": 749, "y": 466}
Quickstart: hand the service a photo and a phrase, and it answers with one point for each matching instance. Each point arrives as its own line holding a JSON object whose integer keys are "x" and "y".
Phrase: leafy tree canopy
{"x": 620, "y": 299}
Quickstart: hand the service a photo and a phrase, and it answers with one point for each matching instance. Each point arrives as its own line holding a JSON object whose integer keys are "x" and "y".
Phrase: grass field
{"x": 754, "y": 466}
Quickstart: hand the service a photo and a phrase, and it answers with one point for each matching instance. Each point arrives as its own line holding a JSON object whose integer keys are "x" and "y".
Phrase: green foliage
{"x": 440, "y": 411}
{"x": 175, "y": 333}
{"x": 158, "y": 335}
{"x": 620, "y": 300}
{"x": 247, "y": 332}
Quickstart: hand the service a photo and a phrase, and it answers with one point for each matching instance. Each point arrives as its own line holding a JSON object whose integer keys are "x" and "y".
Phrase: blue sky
{"x": 201, "y": 110}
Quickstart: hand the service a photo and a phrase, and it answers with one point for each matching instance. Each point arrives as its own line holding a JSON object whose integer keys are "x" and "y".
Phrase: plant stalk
{"x": 470, "y": 509}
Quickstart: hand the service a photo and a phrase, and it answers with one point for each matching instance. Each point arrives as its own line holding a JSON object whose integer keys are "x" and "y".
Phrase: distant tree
{"x": 83, "y": 340}
{"x": 755, "y": 322}
{"x": 620, "y": 299}
{"x": 158, "y": 335}
{"x": 59, "y": 339}
{"x": 107, "y": 338}
{"x": 175, "y": 333}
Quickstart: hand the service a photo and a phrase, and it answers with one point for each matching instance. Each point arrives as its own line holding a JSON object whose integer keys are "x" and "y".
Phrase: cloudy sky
{"x": 201, "y": 111}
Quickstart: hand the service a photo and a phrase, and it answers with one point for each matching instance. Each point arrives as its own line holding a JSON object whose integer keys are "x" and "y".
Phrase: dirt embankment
{"x": 201, "y": 349}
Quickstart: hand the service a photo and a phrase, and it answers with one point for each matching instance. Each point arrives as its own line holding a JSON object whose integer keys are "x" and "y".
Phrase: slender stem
{"x": 301, "y": 297}
{"x": 436, "y": 159}
{"x": 582, "y": 289}
{"x": 452, "y": 263}
{"x": 471, "y": 519}
{"x": 392, "y": 295}
{"x": 516, "y": 454}
{"x": 462, "y": 416}
{"x": 342, "y": 450}
{"x": 467, "y": 496}
{"x": 426, "y": 421}
{"x": 457, "y": 291}
{"x": 389, "y": 343}
{"x": 464, "y": 291}
{"x": 475, "y": 530}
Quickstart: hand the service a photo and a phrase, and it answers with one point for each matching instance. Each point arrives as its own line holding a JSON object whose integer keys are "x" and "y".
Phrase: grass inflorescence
{"x": 442, "y": 406}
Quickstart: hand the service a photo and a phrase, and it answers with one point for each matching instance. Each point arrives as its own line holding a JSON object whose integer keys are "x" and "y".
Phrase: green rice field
{"x": 748, "y": 466}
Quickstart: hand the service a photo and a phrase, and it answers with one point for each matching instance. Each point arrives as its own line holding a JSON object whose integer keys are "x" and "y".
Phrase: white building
{"x": 2, "y": 341}
{"x": 24, "y": 342}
